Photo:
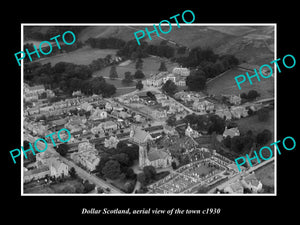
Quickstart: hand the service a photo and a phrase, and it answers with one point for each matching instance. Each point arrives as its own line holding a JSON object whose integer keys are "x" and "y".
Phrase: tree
{"x": 139, "y": 64}
{"x": 174, "y": 166}
{"x": 128, "y": 78}
{"x": 139, "y": 74}
{"x": 244, "y": 95}
{"x": 122, "y": 158}
{"x": 113, "y": 72}
{"x": 139, "y": 85}
{"x": 263, "y": 114}
{"x": 130, "y": 173}
{"x": 142, "y": 179}
{"x": 169, "y": 87}
{"x": 227, "y": 142}
{"x": 151, "y": 95}
{"x": 62, "y": 149}
{"x": 263, "y": 137}
{"x": 181, "y": 50}
{"x": 101, "y": 164}
{"x": 252, "y": 94}
{"x": 111, "y": 169}
{"x": 72, "y": 172}
{"x": 150, "y": 172}
{"x": 196, "y": 81}
{"x": 229, "y": 61}
{"x": 162, "y": 67}
{"x": 129, "y": 186}
{"x": 218, "y": 125}
{"x": 237, "y": 144}
{"x": 171, "y": 121}
{"x": 88, "y": 186}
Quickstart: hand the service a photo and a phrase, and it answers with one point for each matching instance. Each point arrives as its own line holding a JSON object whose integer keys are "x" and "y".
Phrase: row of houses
{"x": 62, "y": 106}
{"x": 234, "y": 112}
{"x": 46, "y": 165}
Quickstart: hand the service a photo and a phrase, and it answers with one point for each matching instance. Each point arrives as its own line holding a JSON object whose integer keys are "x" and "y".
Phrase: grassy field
{"x": 252, "y": 123}
{"x": 226, "y": 84}
{"x": 233, "y": 30}
{"x": 82, "y": 56}
{"x": 121, "y": 88}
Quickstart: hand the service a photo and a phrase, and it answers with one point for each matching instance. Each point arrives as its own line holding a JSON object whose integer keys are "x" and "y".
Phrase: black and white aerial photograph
{"x": 143, "y": 109}
{"x": 128, "y": 113}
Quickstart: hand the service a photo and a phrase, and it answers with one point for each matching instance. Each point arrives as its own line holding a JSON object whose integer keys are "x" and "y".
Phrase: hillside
{"x": 253, "y": 44}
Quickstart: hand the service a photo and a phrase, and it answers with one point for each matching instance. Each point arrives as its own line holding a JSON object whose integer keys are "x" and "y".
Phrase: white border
{"x": 150, "y": 24}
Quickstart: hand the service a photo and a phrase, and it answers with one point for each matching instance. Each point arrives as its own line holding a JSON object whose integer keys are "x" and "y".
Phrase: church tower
{"x": 143, "y": 156}
{"x": 141, "y": 138}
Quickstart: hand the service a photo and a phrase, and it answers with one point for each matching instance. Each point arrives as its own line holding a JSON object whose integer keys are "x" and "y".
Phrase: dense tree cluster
{"x": 131, "y": 49}
{"x": 34, "y": 33}
{"x": 263, "y": 137}
{"x": 252, "y": 94}
{"x": 68, "y": 77}
{"x": 148, "y": 174}
{"x": 206, "y": 123}
{"x": 196, "y": 80}
{"x": 62, "y": 149}
{"x": 206, "y": 60}
{"x": 128, "y": 78}
{"x": 205, "y": 64}
{"x": 118, "y": 162}
{"x": 169, "y": 87}
{"x": 239, "y": 144}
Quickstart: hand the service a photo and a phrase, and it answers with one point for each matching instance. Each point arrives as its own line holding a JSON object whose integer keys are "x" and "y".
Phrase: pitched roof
{"x": 155, "y": 154}
{"x": 59, "y": 122}
{"x": 140, "y": 135}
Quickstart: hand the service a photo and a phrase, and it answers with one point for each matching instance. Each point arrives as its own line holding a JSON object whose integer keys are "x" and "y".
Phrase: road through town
{"x": 81, "y": 172}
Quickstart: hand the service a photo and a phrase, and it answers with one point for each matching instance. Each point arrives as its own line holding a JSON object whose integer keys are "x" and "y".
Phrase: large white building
{"x": 181, "y": 71}
{"x": 87, "y": 156}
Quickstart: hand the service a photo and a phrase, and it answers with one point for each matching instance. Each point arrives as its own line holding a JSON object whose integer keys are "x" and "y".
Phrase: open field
{"x": 226, "y": 84}
{"x": 121, "y": 88}
{"x": 245, "y": 42}
{"x": 232, "y": 30}
{"x": 121, "y": 32}
{"x": 82, "y": 56}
